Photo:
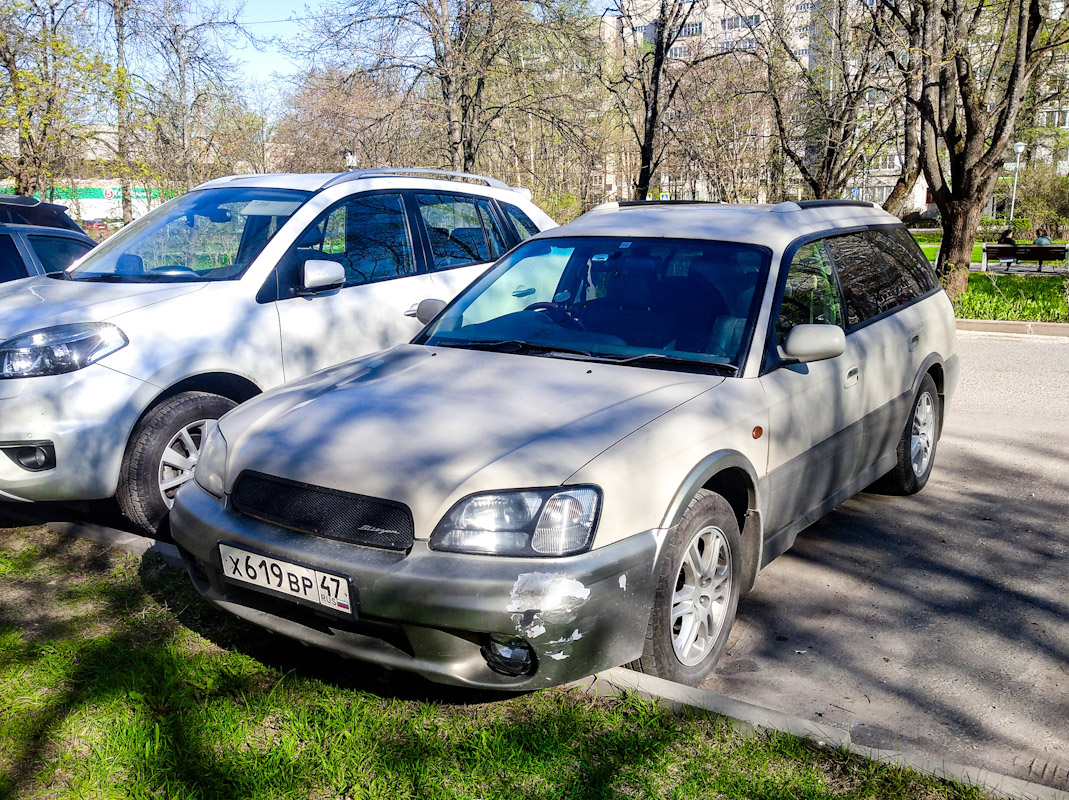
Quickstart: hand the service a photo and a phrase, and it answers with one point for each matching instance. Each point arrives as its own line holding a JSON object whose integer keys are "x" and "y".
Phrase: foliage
{"x": 1035, "y": 298}
{"x": 117, "y": 680}
{"x": 991, "y": 228}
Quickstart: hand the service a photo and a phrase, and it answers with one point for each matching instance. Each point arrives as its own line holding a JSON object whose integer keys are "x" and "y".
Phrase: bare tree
{"x": 456, "y": 47}
{"x": 825, "y": 82}
{"x": 978, "y": 61}
{"x": 657, "y": 47}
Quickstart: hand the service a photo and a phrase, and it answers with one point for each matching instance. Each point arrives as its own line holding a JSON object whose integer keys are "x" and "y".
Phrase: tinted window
{"x": 56, "y": 253}
{"x": 11, "y": 266}
{"x": 520, "y": 221}
{"x": 810, "y": 295}
{"x": 456, "y": 230}
{"x": 871, "y": 284}
{"x": 898, "y": 245}
{"x": 367, "y": 234}
{"x": 494, "y": 232}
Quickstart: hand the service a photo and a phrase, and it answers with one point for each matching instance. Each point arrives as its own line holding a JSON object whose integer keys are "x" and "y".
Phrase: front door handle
{"x": 852, "y": 375}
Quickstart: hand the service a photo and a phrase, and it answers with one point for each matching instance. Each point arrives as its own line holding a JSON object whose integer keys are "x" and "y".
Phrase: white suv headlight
{"x": 59, "y": 349}
{"x": 534, "y": 522}
{"x": 210, "y": 472}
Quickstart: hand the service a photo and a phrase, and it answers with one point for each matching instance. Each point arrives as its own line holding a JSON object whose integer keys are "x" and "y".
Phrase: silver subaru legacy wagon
{"x": 588, "y": 455}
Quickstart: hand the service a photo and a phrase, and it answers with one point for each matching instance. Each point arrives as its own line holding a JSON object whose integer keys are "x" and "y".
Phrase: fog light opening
{"x": 36, "y": 457}
{"x": 508, "y": 655}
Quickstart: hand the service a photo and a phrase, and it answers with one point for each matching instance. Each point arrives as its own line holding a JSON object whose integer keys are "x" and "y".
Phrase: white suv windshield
{"x": 639, "y": 301}
{"x": 207, "y": 235}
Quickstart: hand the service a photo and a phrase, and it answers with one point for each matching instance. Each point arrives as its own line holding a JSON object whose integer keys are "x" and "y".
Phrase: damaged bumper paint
{"x": 433, "y": 612}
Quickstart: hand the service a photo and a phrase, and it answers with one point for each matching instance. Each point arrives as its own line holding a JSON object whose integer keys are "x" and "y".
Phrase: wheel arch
{"x": 226, "y": 384}
{"x": 933, "y": 366}
{"x": 731, "y": 475}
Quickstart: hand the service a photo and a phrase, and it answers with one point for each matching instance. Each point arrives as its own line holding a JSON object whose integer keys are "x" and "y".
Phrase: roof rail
{"x": 800, "y": 205}
{"x": 357, "y": 174}
{"x": 640, "y": 203}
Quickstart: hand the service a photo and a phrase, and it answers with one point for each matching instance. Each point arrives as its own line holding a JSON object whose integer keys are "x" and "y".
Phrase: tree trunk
{"x": 961, "y": 220}
{"x": 122, "y": 133}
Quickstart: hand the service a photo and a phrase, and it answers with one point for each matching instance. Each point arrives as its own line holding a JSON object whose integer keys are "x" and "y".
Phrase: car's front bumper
{"x": 86, "y": 415}
{"x": 431, "y": 612}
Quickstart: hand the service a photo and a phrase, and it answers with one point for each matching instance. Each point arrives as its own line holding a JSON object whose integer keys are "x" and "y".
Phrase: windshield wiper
{"x": 511, "y": 346}
{"x": 101, "y": 278}
{"x": 653, "y": 359}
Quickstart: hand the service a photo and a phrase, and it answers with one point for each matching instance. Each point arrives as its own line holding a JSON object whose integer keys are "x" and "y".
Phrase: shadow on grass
{"x": 103, "y": 689}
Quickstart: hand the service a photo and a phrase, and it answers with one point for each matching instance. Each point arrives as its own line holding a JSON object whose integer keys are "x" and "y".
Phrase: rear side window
{"x": 871, "y": 284}
{"x": 11, "y": 266}
{"x": 520, "y": 221}
{"x": 56, "y": 253}
{"x": 896, "y": 244}
{"x": 461, "y": 230}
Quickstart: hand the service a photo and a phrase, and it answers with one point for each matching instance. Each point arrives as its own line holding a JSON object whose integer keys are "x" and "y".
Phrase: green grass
{"x": 931, "y": 252}
{"x": 116, "y": 680}
{"x": 1036, "y": 298}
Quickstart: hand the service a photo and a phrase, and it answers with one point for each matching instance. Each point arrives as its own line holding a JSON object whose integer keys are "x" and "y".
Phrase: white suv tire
{"x": 173, "y": 429}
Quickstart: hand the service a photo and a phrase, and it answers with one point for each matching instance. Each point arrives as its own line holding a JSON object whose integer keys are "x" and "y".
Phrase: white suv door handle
{"x": 914, "y": 340}
{"x": 852, "y": 375}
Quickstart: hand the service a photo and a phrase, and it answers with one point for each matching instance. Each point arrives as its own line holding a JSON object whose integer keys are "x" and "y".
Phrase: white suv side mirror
{"x": 813, "y": 343}
{"x": 319, "y": 275}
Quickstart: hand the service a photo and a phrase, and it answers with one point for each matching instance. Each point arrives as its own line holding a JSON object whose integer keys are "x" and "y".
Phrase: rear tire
{"x": 697, "y": 593}
{"x": 161, "y": 455}
{"x": 916, "y": 448}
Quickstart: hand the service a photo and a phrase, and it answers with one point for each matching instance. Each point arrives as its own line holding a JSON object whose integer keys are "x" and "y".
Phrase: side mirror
{"x": 319, "y": 275}
{"x": 426, "y": 310}
{"x": 813, "y": 343}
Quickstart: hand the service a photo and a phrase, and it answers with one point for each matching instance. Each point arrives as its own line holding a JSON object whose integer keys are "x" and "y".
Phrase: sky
{"x": 270, "y": 19}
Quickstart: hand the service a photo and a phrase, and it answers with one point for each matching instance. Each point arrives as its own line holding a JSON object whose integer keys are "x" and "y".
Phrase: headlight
{"x": 537, "y": 522}
{"x": 62, "y": 348}
{"x": 210, "y": 472}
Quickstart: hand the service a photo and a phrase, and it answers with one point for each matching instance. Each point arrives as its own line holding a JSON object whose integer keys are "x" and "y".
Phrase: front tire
{"x": 916, "y": 448}
{"x": 697, "y": 593}
{"x": 161, "y": 455}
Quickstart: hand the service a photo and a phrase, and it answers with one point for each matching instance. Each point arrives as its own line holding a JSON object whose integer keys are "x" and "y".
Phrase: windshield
{"x": 648, "y": 302}
{"x": 207, "y": 235}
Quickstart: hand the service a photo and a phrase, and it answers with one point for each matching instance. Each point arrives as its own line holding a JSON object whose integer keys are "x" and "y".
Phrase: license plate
{"x": 321, "y": 588}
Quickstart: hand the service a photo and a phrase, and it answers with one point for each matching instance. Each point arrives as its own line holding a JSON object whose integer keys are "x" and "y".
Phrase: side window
{"x": 56, "y": 253}
{"x": 494, "y": 232}
{"x": 810, "y": 295}
{"x": 367, "y": 234}
{"x": 455, "y": 228}
{"x": 918, "y": 278}
{"x": 11, "y": 266}
{"x": 520, "y": 221}
{"x": 870, "y": 284}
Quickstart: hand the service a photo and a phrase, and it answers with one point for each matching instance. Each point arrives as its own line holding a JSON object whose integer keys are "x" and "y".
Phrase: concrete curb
{"x": 749, "y": 718}
{"x": 111, "y": 537}
{"x": 1004, "y": 327}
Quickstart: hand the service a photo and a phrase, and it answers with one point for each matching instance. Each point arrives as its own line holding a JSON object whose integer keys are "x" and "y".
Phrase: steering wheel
{"x": 558, "y": 314}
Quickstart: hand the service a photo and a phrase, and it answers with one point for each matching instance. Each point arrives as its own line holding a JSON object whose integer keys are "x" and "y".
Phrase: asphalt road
{"x": 939, "y": 623}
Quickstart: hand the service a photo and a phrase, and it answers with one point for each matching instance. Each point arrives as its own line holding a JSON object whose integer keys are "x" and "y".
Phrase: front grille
{"x": 324, "y": 512}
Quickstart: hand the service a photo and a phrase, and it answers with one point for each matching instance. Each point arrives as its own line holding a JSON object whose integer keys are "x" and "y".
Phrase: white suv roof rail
{"x": 357, "y": 174}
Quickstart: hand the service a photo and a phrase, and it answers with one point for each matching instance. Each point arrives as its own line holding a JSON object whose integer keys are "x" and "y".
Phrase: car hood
{"x": 426, "y": 426}
{"x": 39, "y": 302}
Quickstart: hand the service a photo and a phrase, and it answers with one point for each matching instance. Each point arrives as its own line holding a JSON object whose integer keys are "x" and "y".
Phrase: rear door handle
{"x": 914, "y": 341}
{"x": 852, "y": 376}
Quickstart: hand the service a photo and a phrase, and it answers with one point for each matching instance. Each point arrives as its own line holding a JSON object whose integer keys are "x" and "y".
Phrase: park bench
{"x": 1023, "y": 252}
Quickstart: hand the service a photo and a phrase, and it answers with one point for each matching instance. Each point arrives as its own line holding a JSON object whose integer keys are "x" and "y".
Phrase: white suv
{"x": 588, "y": 455}
{"x": 110, "y": 371}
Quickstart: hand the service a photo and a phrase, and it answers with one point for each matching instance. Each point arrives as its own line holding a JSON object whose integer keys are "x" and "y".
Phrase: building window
{"x": 738, "y": 23}
{"x": 690, "y": 29}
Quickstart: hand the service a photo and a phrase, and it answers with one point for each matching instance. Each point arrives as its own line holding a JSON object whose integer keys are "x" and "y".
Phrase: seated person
{"x": 1042, "y": 237}
{"x": 1006, "y": 237}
